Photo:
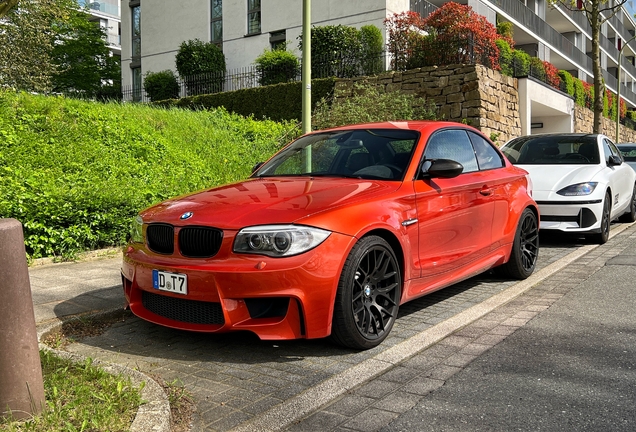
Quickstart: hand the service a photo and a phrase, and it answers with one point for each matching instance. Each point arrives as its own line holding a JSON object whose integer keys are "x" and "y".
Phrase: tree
{"x": 40, "y": 51}
{"x": 201, "y": 65}
{"x": 26, "y": 42}
{"x": 6, "y": 6}
{"x": 84, "y": 64}
{"x": 597, "y": 13}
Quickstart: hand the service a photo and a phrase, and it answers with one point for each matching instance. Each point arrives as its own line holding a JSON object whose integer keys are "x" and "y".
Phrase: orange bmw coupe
{"x": 333, "y": 233}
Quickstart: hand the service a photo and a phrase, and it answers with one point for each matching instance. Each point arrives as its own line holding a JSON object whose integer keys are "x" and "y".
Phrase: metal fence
{"x": 341, "y": 65}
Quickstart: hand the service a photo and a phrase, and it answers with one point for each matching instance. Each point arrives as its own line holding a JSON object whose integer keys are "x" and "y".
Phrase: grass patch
{"x": 75, "y": 172}
{"x": 81, "y": 397}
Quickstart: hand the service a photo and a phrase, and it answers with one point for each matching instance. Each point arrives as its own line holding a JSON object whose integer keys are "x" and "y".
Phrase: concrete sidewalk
{"x": 64, "y": 290}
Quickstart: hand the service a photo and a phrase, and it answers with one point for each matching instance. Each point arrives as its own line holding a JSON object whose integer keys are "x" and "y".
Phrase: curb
{"x": 82, "y": 257}
{"x": 152, "y": 416}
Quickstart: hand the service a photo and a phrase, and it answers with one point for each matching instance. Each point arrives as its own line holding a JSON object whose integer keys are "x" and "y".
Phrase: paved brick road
{"x": 237, "y": 379}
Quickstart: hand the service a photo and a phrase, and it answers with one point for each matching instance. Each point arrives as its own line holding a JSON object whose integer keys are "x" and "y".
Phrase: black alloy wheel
{"x": 603, "y": 235}
{"x": 368, "y": 295}
{"x": 525, "y": 248}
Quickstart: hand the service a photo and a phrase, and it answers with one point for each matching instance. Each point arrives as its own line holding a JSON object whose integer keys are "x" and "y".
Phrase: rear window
{"x": 553, "y": 150}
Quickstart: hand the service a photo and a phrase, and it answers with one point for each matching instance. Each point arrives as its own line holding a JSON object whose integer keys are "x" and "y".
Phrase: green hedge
{"x": 76, "y": 172}
{"x": 276, "y": 102}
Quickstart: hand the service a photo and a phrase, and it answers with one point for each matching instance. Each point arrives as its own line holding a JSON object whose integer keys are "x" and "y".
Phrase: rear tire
{"x": 630, "y": 215}
{"x": 368, "y": 295}
{"x": 525, "y": 248}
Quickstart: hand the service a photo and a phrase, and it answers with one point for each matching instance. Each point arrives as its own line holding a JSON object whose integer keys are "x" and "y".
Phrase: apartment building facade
{"x": 152, "y": 30}
{"x": 107, "y": 13}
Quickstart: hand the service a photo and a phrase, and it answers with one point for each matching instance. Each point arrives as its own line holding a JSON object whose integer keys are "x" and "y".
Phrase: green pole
{"x": 306, "y": 67}
{"x": 306, "y": 79}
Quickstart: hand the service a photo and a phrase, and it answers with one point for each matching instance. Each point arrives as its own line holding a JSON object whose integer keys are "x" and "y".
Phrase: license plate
{"x": 171, "y": 282}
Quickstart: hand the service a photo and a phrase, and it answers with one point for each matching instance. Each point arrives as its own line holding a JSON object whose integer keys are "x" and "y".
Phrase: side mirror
{"x": 614, "y": 160}
{"x": 441, "y": 168}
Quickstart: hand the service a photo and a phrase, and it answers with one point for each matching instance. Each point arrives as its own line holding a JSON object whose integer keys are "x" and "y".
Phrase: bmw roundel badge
{"x": 186, "y": 215}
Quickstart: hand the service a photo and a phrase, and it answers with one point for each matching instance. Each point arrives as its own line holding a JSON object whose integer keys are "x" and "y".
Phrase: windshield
{"x": 360, "y": 153}
{"x": 553, "y": 150}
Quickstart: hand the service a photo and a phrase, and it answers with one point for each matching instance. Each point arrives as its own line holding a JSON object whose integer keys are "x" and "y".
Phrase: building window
{"x": 278, "y": 40}
{"x": 253, "y": 16}
{"x": 216, "y": 22}
{"x": 136, "y": 84}
{"x": 136, "y": 31}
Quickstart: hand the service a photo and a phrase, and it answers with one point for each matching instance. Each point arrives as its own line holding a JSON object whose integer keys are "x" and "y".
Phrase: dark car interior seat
{"x": 357, "y": 161}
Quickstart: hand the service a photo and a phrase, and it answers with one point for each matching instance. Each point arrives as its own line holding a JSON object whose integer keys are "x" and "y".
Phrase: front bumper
{"x": 571, "y": 216}
{"x": 276, "y": 298}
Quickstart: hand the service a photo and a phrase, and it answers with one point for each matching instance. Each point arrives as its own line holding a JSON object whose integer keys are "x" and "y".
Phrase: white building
{"x": 107, "y": 14}
{"x": 152, "y": 31}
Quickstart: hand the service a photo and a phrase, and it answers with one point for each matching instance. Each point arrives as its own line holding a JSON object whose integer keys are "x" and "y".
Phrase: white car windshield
{"x": 553, "y": 150}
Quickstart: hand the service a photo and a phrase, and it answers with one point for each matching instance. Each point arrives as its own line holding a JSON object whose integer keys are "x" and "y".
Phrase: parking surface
{"x": 242, "y": 383}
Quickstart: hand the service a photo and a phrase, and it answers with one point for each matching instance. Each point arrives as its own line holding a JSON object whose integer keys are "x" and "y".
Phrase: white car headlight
{"x": 579, "y": 189}
{"x": 278, "y": 240}
{"x": 136, "y": 230}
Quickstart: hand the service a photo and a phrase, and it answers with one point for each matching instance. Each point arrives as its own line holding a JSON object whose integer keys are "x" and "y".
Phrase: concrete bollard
{"x": 21, "y": 385}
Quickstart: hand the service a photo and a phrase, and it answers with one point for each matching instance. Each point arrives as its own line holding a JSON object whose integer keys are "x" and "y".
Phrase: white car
{"x": 580, "y": 181}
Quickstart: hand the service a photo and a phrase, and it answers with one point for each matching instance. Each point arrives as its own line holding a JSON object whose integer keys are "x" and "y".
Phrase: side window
{"x": 487, "y": 156}
{"x": 452, "y": 144}
{"x": 606, "y": 150}
{"x": 615, "y": 150}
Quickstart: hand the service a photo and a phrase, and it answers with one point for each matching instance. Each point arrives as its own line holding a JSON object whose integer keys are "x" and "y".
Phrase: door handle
{"x": 485, "y": 191}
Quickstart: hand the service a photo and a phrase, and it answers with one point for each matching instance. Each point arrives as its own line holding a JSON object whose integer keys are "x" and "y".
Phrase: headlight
{"x": 578, "y": 189}
{"x": 136, "y": 230}
{"x": 278, "y": 240}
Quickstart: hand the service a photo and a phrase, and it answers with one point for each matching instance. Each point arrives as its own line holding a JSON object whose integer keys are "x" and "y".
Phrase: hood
{"x": 265, "y": 201}
{"x": 546, "y": 178}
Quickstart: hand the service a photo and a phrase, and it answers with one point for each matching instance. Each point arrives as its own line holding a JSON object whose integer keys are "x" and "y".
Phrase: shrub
{"x": 579, "y": 92}
{"x": 551, "y": 75}
{"x": 201, "y": 66}
{"x": 372, "y": 48}
{"x": 568, "y": 81}
{"x": 537, "y": 69}
{"x": 465, "y": 36}
{"x": 520, "y": 63}
{"x": 505, "y": 31}
{"x": 452, "y": 34}
{"x": 342, "y": 51}
{"x": 404, "y": 33}
{"x": 161, "y": 85}
{"x": 505, "y": 57}
{"x": 276, "y": 102}
{"x": 278, "y": 66}
{"x": 368, "y": 104}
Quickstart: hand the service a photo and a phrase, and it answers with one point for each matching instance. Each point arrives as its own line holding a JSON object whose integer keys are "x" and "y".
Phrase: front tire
{"x": 603, "y": 236}
{"x": 525, "y": 248}
{"x": 368, "y": 295}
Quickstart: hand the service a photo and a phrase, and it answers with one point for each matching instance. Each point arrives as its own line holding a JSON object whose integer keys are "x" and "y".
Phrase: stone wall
{"x": 471, "y": 94}
{"x": 584, "y": 122}
{"x": 475, "y": 95}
